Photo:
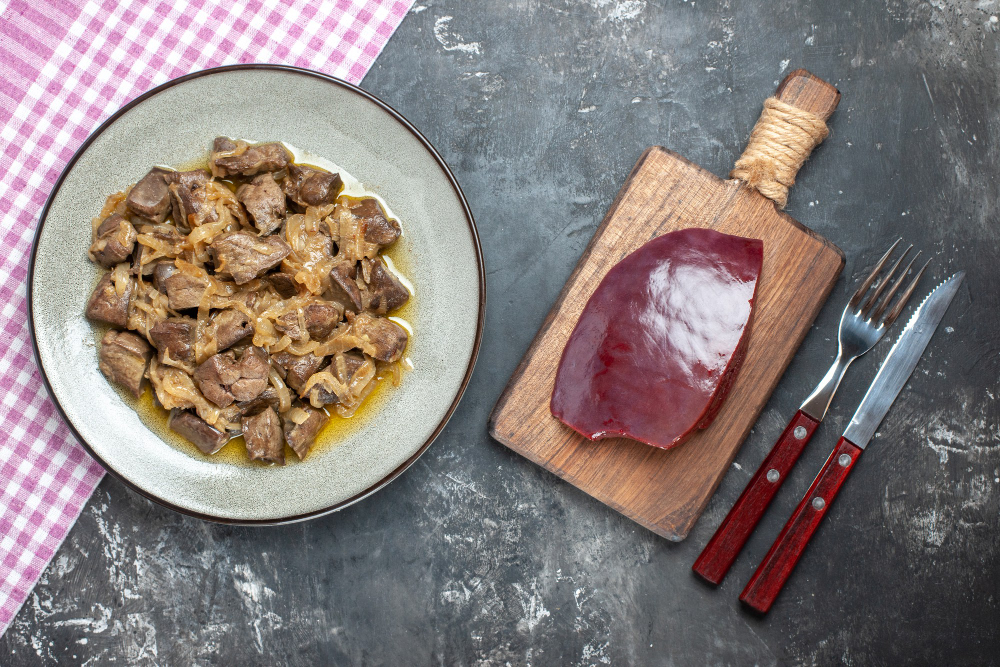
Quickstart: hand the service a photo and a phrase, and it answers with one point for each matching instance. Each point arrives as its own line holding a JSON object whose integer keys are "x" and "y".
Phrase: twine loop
{"x": 779, "y": 144}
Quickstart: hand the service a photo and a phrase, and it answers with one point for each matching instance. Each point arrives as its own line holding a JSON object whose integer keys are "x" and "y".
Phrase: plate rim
{"x": 480, "y": 265}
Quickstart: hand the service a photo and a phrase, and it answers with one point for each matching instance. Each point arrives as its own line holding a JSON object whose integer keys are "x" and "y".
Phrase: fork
{"x": 866, "y": 318}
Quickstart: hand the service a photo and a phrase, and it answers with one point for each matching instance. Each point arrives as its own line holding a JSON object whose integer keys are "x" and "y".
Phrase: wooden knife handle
{"x": 777, "y": 566}
{"x": 720, "y": 552}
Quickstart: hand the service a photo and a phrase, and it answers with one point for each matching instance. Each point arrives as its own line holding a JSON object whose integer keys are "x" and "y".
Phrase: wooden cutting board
{"x": 666, "y": 490}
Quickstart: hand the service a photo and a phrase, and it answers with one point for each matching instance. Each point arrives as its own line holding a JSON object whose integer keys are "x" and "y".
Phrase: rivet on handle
{"x": 799, "y": 432}
{"x": 773, "y": 475}
{"x": 818, "y": 503}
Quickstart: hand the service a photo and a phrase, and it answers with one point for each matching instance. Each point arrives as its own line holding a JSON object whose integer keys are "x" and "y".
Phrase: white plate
{"x": 175, "y": 124}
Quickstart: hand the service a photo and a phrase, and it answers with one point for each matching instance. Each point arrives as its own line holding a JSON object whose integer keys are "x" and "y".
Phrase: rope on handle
{"x": 779, "y": 144}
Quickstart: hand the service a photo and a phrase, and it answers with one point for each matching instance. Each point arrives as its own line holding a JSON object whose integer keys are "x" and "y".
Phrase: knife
{"x": 865, "y": 320}
{"x": 777, "y": 566}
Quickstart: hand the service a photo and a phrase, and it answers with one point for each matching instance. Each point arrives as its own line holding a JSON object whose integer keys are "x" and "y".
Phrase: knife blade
{"x": 777, "y": 566}
{"x": 856, "y": 335}
{"x": 901, "y": 361}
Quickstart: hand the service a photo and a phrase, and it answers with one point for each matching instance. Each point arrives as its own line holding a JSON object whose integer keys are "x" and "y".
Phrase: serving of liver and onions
{"x": 253, "y": 298}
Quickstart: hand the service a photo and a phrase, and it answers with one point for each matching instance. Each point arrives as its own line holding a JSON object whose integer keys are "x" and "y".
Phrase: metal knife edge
{"x": 893, "y": 374}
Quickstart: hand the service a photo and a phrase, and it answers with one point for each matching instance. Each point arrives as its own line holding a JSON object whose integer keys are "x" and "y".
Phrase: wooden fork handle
{"x": 777, "y": 566}
{"x": 720, "y": 552}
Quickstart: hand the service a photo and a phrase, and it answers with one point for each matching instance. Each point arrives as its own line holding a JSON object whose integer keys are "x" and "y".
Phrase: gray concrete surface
{"x": 477, "y": 557}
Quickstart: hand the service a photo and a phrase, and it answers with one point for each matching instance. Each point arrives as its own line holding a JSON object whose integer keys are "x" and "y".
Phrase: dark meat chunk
{"x": 352, "y": 362}
{"x": 301, "y": 436}
{"x": 205, "y": 437}
{"x": 215, "y": 375}
{"x": 255, "y": 364}
{"x": 386, "y": 292}
{"x": 387, "y": 337}
{"x": 162, "y": 271}
{"x": 264, "y": 201}
{"x": 244, "y": 256}
{"x": 174, "y": 338}
{"x": 320, "y": 320}
{"x": 284, "y": 284}
{"x": 150, "y": 197}
{"x": 184, "y": 290}
{"x": 288, "y": 324}
{"x": 106, "y": 305}
{"x": 297, "y": 369}
{"x": 123, "y": 358}
{"x": 343, "y": 286}
{"x": 268, "y": 397}
{"x": 189, "y": 198}
{"x": 115, "y": 239}
{"x": 319, "y": 394}
{"x": 222, "y": 379}
{"x": 228, "y": 327}
{"x": 661, "y": 340}
{"x": 262, "y": 433}
{"x": 378, "y": 229}
{"x": 307, "y": 186}
{"x": 237, "y": 158}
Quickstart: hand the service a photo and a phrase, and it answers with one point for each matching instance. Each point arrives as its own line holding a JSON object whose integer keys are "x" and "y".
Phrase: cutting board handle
{"x": 808, "y": 92}
{"x": 782, "y": 139}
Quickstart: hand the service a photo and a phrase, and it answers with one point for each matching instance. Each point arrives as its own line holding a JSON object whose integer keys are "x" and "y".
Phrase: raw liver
{"x": 659, "y": 344}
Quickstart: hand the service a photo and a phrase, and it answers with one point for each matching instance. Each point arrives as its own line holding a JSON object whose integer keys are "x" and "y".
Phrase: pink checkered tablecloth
{"x": 66, "y": 66}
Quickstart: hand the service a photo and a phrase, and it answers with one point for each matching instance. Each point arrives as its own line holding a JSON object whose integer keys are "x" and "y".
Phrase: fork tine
{"x": 856, "y": 299}
{"x": 870, "y": 302}
{"x": 898, "y": 308}
{"x": 877, "y": 313}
